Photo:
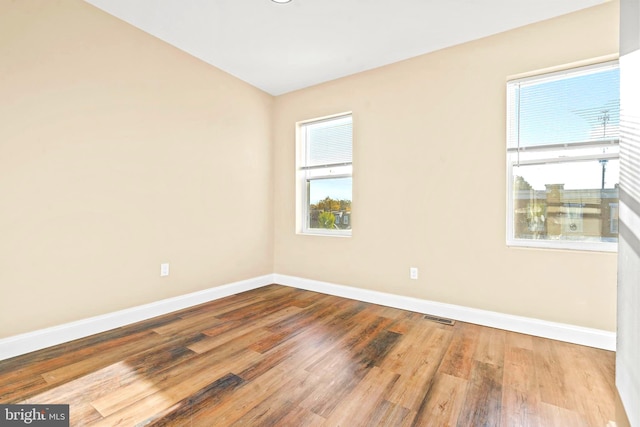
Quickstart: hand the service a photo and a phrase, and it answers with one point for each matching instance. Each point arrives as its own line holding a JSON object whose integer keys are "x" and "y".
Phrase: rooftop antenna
{"x": 604, "y": 118}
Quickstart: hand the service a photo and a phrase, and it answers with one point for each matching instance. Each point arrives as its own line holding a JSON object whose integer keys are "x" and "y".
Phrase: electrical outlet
{"x": 164, "y": 269}
{"x": 413, "y": 273}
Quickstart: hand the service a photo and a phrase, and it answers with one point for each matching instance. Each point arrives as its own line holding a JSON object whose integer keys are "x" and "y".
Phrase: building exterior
{"x": 342, "y": 219}
{"x": 559, "y": 214}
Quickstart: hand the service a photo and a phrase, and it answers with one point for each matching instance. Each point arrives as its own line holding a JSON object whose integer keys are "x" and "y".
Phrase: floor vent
{"x": 442, "y": 320}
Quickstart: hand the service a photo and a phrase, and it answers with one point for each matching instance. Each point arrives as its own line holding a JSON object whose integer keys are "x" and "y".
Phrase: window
{"x": 325, "y": 175}
{"x": 563, "y": 159}
{"x": 613, "y": 218}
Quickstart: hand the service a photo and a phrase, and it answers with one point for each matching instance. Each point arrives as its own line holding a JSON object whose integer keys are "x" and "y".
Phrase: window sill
{"x": 610, "y": 247}
{"x": 344, "y": 233}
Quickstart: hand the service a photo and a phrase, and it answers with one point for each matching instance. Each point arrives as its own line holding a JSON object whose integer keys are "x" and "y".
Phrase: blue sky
{"x": 336, "y": 188}
{"x": 578, "y": 109}
{"x": 570, "y": 110}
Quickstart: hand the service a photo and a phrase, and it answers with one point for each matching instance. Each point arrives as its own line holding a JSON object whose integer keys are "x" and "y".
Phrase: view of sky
{"x": 579, "y": 175}
{"x": 578, "y": 109}
{"x": 336, "y": 188}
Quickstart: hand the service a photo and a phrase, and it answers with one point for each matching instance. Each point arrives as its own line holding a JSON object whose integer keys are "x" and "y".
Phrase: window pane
{"x": 329, "y": 203}
{"x": 578, "y": 106}
{"x": 329, "y": 142}
{"x": 570, "y": 201}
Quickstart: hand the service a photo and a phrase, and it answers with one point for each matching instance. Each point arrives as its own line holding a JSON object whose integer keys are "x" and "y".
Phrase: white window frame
{"x": 613, "y": 224}
{"x": 514, "y": 160}
{"x": 304, "y": 174}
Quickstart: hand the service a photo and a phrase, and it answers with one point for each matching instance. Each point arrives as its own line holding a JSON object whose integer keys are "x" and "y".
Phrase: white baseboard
{"x": 32, "y": 341}
{"x": 558, "y": 331}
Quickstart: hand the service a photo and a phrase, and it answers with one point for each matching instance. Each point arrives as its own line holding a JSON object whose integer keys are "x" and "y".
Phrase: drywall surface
{"x": 429, "y": 174}
{"x": 118, "y": 153}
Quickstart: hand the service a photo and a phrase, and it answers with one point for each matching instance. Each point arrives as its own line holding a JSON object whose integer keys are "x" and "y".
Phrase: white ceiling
{"x": 283, "y": 47}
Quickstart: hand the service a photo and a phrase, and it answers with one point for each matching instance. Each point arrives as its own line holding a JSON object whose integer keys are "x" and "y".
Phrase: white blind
{"x": 329, "y": 142}
{"x": 577, "y": 106}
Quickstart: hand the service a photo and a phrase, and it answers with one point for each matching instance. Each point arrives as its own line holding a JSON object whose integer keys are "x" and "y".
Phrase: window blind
{"x": 329, "y": 142}
{"x": 581, "y": 106}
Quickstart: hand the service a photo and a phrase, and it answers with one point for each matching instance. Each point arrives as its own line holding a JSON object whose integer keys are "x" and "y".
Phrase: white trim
{"x": 516, "y": 152}
{"x": 32, "y": 341}
{"x": 43, "y": 338}
{"x": 564, "y": 67}
{"x": 627, "y": 390}
{"x": 558, "y": 331}
{"x": 551, "y": 76}
{"x": 568, "y": 245}
{"x": 628, "y": 217}
{"x": 305, "y": 174}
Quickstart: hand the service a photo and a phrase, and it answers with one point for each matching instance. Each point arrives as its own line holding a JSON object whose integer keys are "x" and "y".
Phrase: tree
{"x": 326, "y": 220}
{"x": 520, "y": 183}
{"x": 332, "y": 205}
{"x": 345, "y": 205}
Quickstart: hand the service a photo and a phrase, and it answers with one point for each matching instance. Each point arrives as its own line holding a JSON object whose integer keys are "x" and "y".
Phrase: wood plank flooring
{"x": 279, "y": 356}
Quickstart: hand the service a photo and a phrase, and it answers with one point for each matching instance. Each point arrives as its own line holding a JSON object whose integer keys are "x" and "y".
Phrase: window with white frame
{"x": 613, "y": 218}
{"x": 324, "y": 151}
{"x": 563, "y": 159}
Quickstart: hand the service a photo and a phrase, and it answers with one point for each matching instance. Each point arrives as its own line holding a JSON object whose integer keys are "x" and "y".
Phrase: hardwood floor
{"x": 279, "y": 356}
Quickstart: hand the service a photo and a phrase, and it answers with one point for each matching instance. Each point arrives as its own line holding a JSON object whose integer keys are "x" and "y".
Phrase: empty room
{"x": 319, "y": 213}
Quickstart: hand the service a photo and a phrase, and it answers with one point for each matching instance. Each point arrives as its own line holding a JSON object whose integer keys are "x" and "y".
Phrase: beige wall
{"x": 429, "y": 151}
{"x": 117, "y": 153}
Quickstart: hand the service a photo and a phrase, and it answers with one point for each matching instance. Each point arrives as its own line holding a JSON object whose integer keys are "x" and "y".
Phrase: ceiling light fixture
{"x": 281, "y": 1}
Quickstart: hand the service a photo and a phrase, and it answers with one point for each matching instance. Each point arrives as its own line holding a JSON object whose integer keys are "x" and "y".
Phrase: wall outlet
{"x": 413, "y": 273}
{"x": 164, "y": 269}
